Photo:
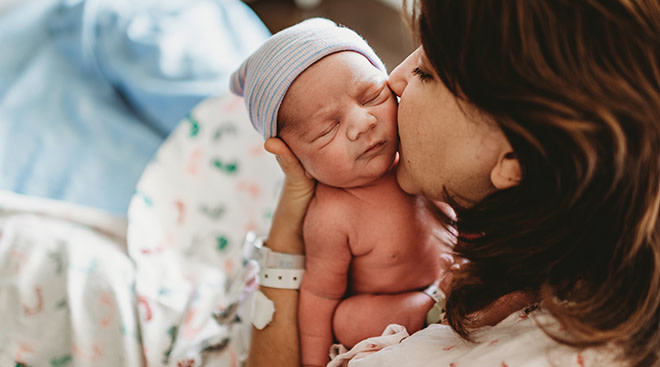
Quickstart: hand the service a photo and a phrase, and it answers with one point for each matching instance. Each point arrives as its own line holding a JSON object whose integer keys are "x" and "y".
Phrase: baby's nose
{"x": 361, "y": 122}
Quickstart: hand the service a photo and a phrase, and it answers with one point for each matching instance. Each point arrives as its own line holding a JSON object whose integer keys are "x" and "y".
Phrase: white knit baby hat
{"x": 267, "y": 74}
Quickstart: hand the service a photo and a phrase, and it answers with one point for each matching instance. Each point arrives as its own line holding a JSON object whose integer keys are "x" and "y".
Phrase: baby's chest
{"x": 392, "y": 259}
{"x": 387, "y": 238}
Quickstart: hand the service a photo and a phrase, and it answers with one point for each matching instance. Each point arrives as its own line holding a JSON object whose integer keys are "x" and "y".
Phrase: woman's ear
{"x": 506, "y": 173}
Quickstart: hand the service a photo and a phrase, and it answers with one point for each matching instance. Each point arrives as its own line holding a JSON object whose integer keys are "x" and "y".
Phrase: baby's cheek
{"x": 310, "y": 168}
{"x": 322, "y": 171}
{"x": 391, "y": 124}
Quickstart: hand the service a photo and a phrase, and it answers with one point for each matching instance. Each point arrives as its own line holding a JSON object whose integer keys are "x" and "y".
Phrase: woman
{"x": 538, "y": 121}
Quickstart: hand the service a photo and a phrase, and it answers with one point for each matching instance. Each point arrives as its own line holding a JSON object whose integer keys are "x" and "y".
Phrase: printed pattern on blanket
{"x": 209, "y": 184}
{"x": 66, "y": 286}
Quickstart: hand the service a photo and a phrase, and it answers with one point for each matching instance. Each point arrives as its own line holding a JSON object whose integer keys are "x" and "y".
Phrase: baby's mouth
{"x": 374, "y": 148}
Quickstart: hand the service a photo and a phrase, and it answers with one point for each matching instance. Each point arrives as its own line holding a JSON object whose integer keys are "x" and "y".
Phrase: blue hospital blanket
{"x": 89, "y": 89}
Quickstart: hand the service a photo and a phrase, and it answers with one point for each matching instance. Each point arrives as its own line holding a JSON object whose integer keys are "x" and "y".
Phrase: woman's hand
{"x": 296, "y": 194}
{"x": 502, "y": 308}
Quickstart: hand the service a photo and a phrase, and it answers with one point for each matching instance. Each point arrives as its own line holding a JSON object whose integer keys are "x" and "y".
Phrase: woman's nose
{"x": 397, "y": 82}
{"x": 398, "y": 79}
{"x": 361, "y": 122}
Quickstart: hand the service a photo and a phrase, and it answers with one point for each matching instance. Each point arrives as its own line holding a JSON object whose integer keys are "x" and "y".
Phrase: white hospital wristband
{"x": 254, "y": 249}
{"x": 276, "y": 270}
{"x": 261, "y": 310}
{"x": 280, "y": 278}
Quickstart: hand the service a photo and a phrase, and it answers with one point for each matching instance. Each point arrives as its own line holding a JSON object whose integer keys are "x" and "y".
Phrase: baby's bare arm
{"x": 376, "y": 311}
{"x": 328, "y": 258}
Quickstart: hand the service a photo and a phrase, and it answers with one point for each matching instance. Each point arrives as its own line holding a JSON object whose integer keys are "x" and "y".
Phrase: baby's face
{"x": 341, "y": 120}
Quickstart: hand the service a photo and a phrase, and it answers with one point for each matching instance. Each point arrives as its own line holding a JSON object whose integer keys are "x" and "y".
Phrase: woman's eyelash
{"x": 421, "y": 74}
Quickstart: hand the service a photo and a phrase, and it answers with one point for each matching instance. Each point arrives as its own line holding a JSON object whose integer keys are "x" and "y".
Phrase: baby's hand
{"x": 296, "y": 194}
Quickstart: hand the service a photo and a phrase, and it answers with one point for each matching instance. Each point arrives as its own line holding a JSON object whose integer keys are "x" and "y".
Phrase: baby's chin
{"x": 366, "y": 177}
{"x": 377, "y": 171}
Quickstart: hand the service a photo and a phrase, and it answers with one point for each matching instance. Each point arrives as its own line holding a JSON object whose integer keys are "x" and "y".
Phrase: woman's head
{"x": 450, "y": 151}
{"x": 574, "y": 85}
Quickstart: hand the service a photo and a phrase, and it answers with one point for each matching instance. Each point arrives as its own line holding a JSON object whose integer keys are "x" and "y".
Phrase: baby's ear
{"x": 506, "y": 173}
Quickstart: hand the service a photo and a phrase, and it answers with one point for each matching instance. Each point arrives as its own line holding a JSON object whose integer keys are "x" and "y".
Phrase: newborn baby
{"x": 371, "y": 249}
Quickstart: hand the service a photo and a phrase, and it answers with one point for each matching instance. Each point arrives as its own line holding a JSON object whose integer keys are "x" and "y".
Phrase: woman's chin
{"x": 404, "y": 181}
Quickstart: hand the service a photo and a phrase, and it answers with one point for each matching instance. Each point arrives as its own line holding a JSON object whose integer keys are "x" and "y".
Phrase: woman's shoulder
{"x": 519, "y": 340}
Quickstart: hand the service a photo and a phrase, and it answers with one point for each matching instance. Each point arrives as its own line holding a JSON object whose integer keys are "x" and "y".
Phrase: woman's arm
{"x": 277, "y": 344}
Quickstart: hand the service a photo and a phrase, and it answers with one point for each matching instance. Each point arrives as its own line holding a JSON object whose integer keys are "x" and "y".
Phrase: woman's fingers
{"x": 286, "y": 232}
{"x": 502, "y": 308}
{"x": 286, "y": 159}
{"x": 298, "y": 184}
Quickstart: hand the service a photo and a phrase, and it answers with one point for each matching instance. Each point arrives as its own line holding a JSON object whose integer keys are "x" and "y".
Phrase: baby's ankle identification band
{"x": 437, "y": 313}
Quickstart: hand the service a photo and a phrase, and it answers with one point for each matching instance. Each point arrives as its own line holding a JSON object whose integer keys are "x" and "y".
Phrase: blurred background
{"x": 380, "y": 22}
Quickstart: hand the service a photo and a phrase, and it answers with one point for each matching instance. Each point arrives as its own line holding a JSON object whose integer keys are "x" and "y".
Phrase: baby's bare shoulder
{"x": 330, "y": 208}
{"x": 332, "y": 201}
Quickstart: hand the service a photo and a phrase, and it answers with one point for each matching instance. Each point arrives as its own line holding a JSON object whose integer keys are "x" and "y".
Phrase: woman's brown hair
{"x": 575, "y": 86}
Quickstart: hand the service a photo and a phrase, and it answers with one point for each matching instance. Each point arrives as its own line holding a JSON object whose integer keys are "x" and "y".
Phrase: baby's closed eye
{"x": 377, "y": 95}
{"x": 327, "y": 130}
